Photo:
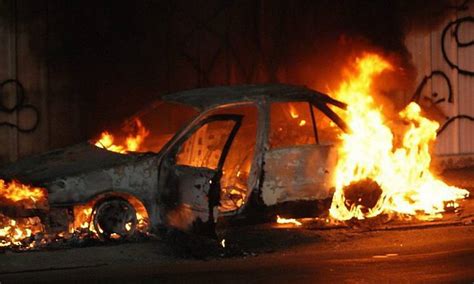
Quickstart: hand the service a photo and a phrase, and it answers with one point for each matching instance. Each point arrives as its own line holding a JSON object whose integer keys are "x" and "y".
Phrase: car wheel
{"x": 115, "y": 219}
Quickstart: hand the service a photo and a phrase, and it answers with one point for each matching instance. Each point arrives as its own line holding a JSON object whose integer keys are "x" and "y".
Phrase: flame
{"x": 368, "y": 153}
{"x": 132, "y": 143}
{"x": 293, "y": 112}
{"x": 84, "y": 214}
{"x": 18, "y": 193}
{"x": 16, "y": 231}
{"x": 29, "y": 232}
{"x": 281, "y": 220}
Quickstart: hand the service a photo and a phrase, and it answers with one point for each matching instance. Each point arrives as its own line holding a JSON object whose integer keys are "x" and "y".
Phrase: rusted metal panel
{"x": 298, "y": 173}
{"x": 255, "y": 177}
{"x": 138, "y": 178}
{"x": 193, "y": 186}
{"x": 184, "y": 197}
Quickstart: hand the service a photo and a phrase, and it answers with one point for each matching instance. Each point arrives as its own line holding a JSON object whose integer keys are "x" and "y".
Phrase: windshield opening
{"x": 148, "y": 130}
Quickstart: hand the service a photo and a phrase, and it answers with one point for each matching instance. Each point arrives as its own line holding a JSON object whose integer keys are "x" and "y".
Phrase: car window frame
{"x": 321, "y": 106}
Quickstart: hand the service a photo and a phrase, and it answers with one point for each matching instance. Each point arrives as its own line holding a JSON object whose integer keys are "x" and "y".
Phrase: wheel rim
{"x": 115, "y": 219}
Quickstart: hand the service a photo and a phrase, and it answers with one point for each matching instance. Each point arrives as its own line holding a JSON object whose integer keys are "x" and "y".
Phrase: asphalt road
{"x": 432, "y": 254}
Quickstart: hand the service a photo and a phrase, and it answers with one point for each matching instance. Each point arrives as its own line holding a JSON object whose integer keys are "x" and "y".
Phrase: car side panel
{"x": 298, "y": 173}
{"x": 138, "y": 178}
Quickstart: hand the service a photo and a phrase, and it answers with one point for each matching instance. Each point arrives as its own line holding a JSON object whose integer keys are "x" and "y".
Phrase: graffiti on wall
{"x": 19, "y": 109}
{"x": 450, "y": 31}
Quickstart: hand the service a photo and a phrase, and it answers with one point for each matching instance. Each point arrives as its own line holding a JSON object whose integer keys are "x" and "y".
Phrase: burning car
{"x": 233, "y": 153}
{"x": 223, "y": 152}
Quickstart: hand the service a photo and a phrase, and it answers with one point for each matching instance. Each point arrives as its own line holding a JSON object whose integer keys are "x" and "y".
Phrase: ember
{"x": 281, "y": 220}
{"x": 17, "y": 232}
{"x": 368, "y": 152}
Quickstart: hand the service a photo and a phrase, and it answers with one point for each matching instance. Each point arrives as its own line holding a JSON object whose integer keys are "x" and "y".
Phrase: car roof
{"x": 206, "y": 98}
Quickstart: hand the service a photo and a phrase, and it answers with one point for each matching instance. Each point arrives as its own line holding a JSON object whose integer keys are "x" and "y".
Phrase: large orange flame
{"x": 15, "y": 194}
{"x": 367, "y": 152}
{"x": 132, "y": 143}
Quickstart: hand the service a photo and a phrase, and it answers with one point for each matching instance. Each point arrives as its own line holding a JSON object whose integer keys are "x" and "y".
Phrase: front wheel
{"x": 115, "y": 218}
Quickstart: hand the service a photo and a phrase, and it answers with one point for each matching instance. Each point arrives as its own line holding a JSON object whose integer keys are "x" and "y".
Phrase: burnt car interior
{"x": 214, "y": 163}
{"x": 201, "y": 165}
{"x": 191, "y": 171}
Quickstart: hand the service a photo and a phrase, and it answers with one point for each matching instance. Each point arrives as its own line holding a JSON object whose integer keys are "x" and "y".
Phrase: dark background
{"x": 87, "y": 65}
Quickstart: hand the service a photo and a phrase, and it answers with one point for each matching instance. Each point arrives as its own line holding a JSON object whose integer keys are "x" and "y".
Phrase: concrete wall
{"x": 448, "y": 91}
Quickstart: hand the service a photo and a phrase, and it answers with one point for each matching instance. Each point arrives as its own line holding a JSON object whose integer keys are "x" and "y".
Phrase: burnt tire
{"x": 115, "y": 219}
{"x": 365, "y": 193}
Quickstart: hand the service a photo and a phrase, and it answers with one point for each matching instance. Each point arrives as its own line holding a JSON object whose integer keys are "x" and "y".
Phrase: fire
{"x": 295, "y": 115}
{"x": 82, "y": 219}
{"x": 29, "y": 232}
{"x": 281, "y": 220}
{"x": 84, "y": 214}
{"x": 293, "y": 112}
{"x": 18, "y": 193}
{"x": 374, "y": 165}
{"x": 14, "y": 231}
{"x": 132, "y": 143}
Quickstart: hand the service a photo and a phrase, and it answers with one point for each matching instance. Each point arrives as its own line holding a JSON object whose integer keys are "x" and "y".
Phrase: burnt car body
{"x": 190, "y": 187}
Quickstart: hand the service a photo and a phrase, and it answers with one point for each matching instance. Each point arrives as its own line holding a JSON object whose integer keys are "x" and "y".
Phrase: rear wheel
{"x": 115, "y": 218}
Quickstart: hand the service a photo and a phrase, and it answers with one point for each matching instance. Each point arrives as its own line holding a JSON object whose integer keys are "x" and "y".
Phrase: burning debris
{"x": 16, "y": 193}
{"x": 19, "y": 200}
{"x": 281, "y": 220}
{"x": 19, "y": 232}
{"x": 21, "y": 226}
{"x": 402, "y": 180}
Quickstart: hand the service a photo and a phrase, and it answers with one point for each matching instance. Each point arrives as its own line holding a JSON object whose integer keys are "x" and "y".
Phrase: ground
{"x": 380, "y": 250}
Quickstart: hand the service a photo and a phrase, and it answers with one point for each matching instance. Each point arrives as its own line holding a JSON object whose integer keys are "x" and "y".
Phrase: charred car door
{"x": 298, "y": 135}
{"x": 191, "y": 171}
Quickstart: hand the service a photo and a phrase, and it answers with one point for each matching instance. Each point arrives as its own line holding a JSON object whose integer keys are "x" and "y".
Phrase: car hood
{"x": 70, "y": 161}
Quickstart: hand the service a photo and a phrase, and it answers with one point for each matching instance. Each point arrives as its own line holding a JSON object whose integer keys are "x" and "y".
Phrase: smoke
{"x": 329, "y": 34}
{"x": 117, "y": 57}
